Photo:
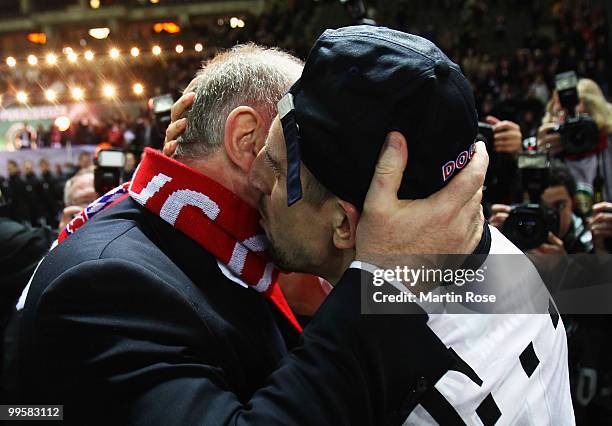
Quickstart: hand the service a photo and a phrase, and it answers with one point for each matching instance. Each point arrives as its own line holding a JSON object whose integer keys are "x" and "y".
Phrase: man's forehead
{"x": 556, "y": 191}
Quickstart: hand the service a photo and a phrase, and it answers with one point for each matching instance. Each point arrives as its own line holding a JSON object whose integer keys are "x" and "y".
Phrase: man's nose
{"x": 260, "y": 176}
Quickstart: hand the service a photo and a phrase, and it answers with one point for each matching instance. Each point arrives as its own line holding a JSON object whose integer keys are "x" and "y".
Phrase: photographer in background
{"x": 504, "y": 142}
{"x": 558, "y": 196}
{"x": 592, "y": 168}
{"x": 79, "y": 191}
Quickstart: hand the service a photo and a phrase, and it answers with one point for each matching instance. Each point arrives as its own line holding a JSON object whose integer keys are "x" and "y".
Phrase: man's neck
{"x": 339, "y": 266}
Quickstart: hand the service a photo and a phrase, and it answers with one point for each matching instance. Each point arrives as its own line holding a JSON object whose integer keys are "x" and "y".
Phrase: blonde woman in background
{"x": 583, "y": 168}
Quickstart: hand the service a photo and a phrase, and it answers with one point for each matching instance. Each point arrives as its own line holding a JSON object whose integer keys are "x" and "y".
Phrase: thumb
{"x": 492, "y": 120}
{"x": 388, "y": 173}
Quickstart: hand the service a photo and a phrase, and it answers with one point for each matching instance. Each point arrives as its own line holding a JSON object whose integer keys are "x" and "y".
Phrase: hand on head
{"x": 448, "y": 221}
{"x": 177, "y": 125}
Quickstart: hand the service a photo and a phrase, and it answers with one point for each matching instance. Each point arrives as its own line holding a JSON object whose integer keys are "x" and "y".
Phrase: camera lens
{"x": 526, "y": 226}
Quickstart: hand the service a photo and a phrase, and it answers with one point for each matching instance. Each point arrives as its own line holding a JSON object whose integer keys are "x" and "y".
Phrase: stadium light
{"x": 114, "y": 53}
{"x": 108, "y": 91}
{"x": 50, "y": 95}
{"x": 77, "y": 94}
{"x": 32, "y": 60}
{"x": 156, "y": 50}
{"x": 22, "y": 97}
{"x": 179, "y": 48}
{"x": 134, "y": 51}
{"x": 72, "y": 57}
{"x": 62, "y": 123}
{"x": 51, "y": 59}
{"x": 89, "y": 55}
{"x": 138, "y": 89}
{"x": 199, "y": 47}
{"x": 11, "y": 62}
{"x": 99, "y": 33}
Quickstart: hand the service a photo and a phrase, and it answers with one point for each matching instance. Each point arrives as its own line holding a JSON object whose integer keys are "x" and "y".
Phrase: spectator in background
{"x": 79, "y": 192}
{"x": 33, "y": 192}
{"x": 19, "y": 210}
{"x": 56, "y": 138}
{"x": 42, "y": 137}
{"x": 503, "y": 183}
{"x": 49, "y": 196}
{"x": 115, "y": 135}
{"x": 595, "y": 164}
{"x": 573, "y": 237}
{"x": 84, "y": 161}
{"x": 24, "y": 138}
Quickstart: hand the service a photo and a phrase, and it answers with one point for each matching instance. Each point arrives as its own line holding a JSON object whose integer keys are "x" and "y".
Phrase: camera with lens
{"x": 108, "y": 171}
{"x": 528, "y": 224}
{"x": 160, "y": 107}
{"x": 579, "y": 133}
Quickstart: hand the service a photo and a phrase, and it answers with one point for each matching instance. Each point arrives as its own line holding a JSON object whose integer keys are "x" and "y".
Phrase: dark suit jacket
{"x": 129, "y": 321}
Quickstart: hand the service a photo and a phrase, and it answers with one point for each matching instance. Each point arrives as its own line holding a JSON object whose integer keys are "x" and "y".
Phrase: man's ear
{"x": 345, "y": 221}
{"x": 243, "y": 128}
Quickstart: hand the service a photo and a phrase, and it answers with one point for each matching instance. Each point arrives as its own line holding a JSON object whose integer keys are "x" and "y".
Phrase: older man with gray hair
{"x": 163, "y": 309}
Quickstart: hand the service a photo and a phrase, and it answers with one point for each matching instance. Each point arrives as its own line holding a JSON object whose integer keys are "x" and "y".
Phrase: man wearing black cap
{"x": 358, "y": 84}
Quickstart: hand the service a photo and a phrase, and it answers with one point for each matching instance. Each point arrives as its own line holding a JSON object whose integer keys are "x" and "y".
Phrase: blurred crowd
{"x": 129, "y": 134}
{"x": 50, "y": 195}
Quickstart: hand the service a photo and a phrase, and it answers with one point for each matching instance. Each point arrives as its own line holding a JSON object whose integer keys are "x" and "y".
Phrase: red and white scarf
{"x": 206, "y": 212}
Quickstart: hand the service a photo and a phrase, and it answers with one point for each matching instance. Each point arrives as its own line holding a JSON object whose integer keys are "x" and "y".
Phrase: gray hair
{"x": 247, "y": 75}
{"x": 86, "y": 174}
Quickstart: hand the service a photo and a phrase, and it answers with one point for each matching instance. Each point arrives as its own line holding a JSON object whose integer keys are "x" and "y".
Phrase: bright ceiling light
{"x": 99, "y": 33}
{"x": 95, "y": 4}
{"x": 108, "y": 90}
{"x": 50, "y": 95}
{"x": 72, "y": 57}
{"x": 32, "y": 60}
{"x": 134, "y": 51}
{"x": 11, "y": 62}
{"x": 138, "y": 89}
{"x": 77, "y": 93}
{"x": 62, "y": 123}
{"x": 22, "y": 97}
{"x": 51, "y": 59}
{"x": 179, "y": 48}
{"x": 89, "y": 55}
{"x": 114, "y": 53}
{"x": 199, "y": 47}
{"x": 156, "y": 50}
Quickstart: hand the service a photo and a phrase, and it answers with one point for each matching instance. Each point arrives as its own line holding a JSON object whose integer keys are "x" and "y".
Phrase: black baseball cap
{"x": 358, "y": 84}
